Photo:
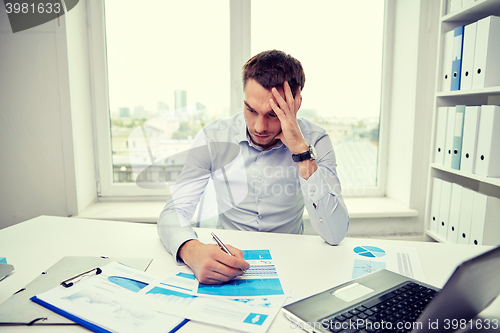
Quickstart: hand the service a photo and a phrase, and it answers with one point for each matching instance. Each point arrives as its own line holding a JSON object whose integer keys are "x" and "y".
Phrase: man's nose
{"x": 260, "y": 124}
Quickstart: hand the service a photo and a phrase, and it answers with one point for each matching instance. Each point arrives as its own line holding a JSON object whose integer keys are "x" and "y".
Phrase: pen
{"x": 222, "y": 246}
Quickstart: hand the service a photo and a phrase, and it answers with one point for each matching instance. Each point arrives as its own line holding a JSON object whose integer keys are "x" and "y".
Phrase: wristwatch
{"x": 310, "y": 154}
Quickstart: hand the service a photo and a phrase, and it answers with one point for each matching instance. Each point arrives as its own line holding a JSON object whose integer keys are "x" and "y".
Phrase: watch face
{"x": 312, "y": 151}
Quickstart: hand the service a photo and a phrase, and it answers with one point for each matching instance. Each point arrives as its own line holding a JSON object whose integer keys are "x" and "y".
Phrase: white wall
{"x": 41, "y": 167}
{"x": 411, "y": 101}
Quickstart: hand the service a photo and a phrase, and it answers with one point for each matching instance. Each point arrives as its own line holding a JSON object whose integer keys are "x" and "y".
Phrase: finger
{"x": 232, "y": 261}
{"x": 281, "y": 102}
{"x": 289, "y": 96}
{"x": 279, "y": 112}
{"x": 235, "y": 251}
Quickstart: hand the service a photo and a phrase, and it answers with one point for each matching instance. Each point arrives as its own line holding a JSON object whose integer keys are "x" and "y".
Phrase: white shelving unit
{"x": 487, "y": 96}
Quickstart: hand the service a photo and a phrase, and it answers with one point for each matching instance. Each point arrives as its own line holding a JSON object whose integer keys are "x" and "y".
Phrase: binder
{"x": 454, "y": 218}
{"x": 454, "y": 6}
{"x": 469, "y": 139}
{"x": 469, "y": 46}
{"x": 485, "y": 229}
{"x": 466, "y": 3}
{"x": 436, "y": 197}
{"x": 442, "y": 116}
{"x": 18, "y": 309}
{"x": 456, "y": 64}
{"x": 487, "y": 52}
{"x": 465, "y": 216}
{"x": 444, "y": 209}
{"x": 447, "y": 61}
{"x": 450, "y": 131}
{"x": 456, "y": 154}
{"x": 488, "y": 142}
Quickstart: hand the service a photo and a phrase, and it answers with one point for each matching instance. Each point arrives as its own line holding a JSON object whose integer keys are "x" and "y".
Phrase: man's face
{"x": 262, "y": 123}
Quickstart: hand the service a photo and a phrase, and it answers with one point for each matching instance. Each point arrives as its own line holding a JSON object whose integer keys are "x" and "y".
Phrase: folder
{"x": 444, "y": 209}
{"x": 442, "y": 116}
{"x": 454, "y": 6}
{"x": 468, "y": 50}
{"x": 447, "y": 61}
{"x": 485, "y": 229}
{"x": 465, "y": 216}
{"x": 454, "y": 217}
{"x": 488, "y": 142}
{"x": 450, "y": 133}
{"x": 469, "y": 139}
{"x": 436, "y": 197}
{"x": 487, "y": 52}
{"x": 456, "y": 64}
{"x": 456, "y": 154}
{"x": 466, "y": 3}
{"x": 18, "y": 309}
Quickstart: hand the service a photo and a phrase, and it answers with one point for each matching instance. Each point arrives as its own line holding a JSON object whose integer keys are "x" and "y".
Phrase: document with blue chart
{"x": 248, "y": 303}
{"x": 365, "y": 259}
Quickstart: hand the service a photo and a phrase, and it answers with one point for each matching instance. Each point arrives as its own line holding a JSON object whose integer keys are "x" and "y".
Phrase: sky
{"x": 157, "y": 47}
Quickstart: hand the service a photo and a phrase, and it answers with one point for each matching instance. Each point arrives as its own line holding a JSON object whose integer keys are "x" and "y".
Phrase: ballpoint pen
{"x": 222, "y": 246}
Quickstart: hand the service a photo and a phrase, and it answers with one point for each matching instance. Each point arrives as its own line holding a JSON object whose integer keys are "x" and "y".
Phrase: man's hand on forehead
{"x": 286, "y": 109}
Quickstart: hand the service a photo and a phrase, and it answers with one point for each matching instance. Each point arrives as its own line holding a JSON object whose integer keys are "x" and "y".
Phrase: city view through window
{"x": 166, "y": 80}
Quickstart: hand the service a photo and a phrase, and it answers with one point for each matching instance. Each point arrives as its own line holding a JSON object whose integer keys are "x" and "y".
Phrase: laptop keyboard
{"x": 394, "y": 311}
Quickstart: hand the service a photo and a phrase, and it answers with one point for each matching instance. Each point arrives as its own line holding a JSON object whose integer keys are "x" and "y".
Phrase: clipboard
{"x": 20, "y": 310}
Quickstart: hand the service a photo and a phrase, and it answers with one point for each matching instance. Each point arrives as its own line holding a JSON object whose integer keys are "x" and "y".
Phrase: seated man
{"x": 266, "y": 165}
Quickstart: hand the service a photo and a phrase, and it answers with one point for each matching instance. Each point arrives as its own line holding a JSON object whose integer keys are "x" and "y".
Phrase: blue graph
{"x": 369, "y": 251}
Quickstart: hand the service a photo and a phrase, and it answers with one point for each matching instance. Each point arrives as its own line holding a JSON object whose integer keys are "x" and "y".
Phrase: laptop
{"x": 384, "y": 301}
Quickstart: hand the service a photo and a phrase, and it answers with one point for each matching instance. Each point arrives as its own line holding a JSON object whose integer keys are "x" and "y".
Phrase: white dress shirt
{"x": 256, "y": 189}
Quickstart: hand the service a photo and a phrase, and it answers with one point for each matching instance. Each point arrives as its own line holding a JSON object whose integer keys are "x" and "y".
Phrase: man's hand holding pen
{"x": 210, "y": 264}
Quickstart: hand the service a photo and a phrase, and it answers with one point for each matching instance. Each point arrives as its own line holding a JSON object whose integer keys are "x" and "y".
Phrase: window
{"x": 168, "y": 73}
{"x": 339, "y": 44}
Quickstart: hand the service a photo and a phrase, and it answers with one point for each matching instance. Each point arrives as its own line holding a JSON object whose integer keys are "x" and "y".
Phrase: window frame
{"x": 240, "y": 32}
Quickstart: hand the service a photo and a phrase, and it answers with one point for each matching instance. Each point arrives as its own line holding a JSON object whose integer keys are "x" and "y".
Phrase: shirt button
{"x": 311, "y": 193}
{"x": 259, "y": 178}
{"x": 259, "y": 199}
{"x": 321, "y": 220}
{"x": 260, "y": 216}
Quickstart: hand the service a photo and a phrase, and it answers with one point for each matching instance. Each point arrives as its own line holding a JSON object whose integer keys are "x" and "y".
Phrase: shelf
{"x": 476, "y": 11}
{"x": 482, "y": 179}
{"x": 490, "y": 91}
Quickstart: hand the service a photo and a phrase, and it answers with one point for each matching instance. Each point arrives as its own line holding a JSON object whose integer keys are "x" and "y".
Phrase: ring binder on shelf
{"x": 69, "y": 282}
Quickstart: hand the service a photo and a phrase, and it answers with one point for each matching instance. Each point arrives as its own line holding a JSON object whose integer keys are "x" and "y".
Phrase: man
{"x": 266, "y": 165}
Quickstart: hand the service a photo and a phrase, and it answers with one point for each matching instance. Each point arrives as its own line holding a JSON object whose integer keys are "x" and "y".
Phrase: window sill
{"x": 148, "y": 211}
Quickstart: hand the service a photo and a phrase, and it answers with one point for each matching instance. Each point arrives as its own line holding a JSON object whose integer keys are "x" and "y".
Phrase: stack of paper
{"x": 122, "y": 299}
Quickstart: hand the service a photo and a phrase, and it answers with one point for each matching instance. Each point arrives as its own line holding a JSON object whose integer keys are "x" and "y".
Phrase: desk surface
{"x": 306, "y": 263}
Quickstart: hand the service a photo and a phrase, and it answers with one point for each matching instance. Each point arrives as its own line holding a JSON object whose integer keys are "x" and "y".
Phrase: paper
{"x": 365, "y": 259}
{"x": 109, "y": 300}
{"x": 248, "y": 303}
{"x": 127, "y": 300}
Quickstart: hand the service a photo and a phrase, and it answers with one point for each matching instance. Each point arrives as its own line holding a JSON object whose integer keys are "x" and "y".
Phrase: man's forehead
{"x": 257, "y": 109}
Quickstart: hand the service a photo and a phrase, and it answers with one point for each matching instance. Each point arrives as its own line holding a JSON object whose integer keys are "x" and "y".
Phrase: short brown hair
{"x": 272, "y": 68}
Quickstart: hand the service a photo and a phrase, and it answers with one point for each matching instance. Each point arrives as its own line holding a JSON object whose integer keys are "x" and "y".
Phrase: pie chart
{"x": 369, "y": 251}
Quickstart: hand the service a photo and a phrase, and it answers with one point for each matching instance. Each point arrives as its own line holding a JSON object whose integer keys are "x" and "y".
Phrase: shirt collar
{"x": 243, "y": 135}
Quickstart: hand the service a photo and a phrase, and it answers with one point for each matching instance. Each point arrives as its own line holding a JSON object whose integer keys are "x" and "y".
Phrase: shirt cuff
{"x": 316, "y": 187}
{"x": 178, "y": 240}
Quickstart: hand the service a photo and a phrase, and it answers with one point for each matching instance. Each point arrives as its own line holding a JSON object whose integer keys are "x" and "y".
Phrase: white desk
{"x": 306, "y": 263}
